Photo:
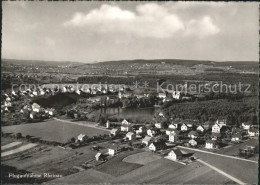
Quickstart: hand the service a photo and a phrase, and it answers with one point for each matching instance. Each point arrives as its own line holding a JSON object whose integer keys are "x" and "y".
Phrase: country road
{"x": 81, "y": 124}
{"x": 222, "y": 155}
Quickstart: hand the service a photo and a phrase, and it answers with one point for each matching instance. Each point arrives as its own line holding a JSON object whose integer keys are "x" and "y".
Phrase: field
{"x": 161, "y": 171}
{"x": 53, "y": 130}
{"x": 116, "y": 166}
{"x": 233, "y": 167}
{"x": 18, "y": 150}
{"x": 142, "y": 158}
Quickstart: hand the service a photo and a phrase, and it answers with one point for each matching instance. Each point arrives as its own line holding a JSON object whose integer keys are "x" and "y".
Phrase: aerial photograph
{"x": 133, "y": 92}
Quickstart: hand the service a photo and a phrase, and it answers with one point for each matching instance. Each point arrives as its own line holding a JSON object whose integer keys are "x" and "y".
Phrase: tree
{"x": 18, "y": 135}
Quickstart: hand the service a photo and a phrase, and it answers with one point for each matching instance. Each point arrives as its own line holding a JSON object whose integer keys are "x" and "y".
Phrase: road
{"x": 81, "y": 124}
{"x": 221, "y": 172}
{"x": 222, "y": 155}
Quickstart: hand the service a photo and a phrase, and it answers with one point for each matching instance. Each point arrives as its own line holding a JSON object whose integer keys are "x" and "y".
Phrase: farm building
{"x": 82, "y": 137}
{"x": 113, "y": 149}
{"x": 147, "y": 140}
{"x": 114, "y": 131}
{"x": 100, "y": 156}
{"x": 130, "y": 136}
{"x": 175, "y": 154}
{"x": 155, "y": 146}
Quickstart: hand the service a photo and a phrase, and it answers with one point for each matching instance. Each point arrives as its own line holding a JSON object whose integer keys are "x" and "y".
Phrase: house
{"x": 152, "y": 132}
{"x": 185, "y": 127}
{"x": 114, "y": 131}
{"x": 141, "y": 130}
{"x": 193, "y": 142}
{"x": 216, "y": 128}
{"x": 176, "y": 95}
{"x": 246, "y": 125}
{"x": 147, "y": 140}
{"x": 175, "y": 154}
{"x": 100, "y": 156}
{"x": 82, "y": 137}
{"x": 125, "y": 122}
{"x": 236, "y": 137}
{"x": 210, "y": 144}
{"x": 36, "y": 107}
{"x": 155, "y": 146}
{"x": 51, "y": 112}
{"x": 162, "y": 95}
{"x": 200, "y": 129}
{"x": 170, "y": 130}
{"x": 113, "y": 149}
{"x": 253, "y": 132}
{"x": 173, "y": 137}
{"x": 221, "y": 122}
{"x": 161, "y": 114}
{"x": 173, "y": 125}
{"x": 158, "y": 125}
{"x": 126, "y": 128}
{"x": 193, "y": 134}
{"x": 130, "y": 136}
{"x": 108, "y": 124}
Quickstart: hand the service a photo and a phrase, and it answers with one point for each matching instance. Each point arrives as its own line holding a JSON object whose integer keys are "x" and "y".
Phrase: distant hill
{"x": 38, "y": 62}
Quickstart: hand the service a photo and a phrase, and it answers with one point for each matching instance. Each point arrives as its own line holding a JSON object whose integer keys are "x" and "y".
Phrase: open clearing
{"x": 10, "y": 145}
{"x": 53, "y": 130}
{"x": 142, "y": 158}
{"x": 19, "y": 149}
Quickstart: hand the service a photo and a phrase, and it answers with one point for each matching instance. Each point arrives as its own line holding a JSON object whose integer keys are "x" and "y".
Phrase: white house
{"x": 221, "y": 122}
{"x": 246, "y": 125}
{"x": 185, "y": 127}
{"x": 176, "y": 95}
{"x": 175, "y": 154}
{"x": 36, "y": 107}
{"x": 131, "y": 136}
{"x": 216, "y": 128}
{"x": 173, "y": 138}
{"x": 200, "y": 128}
{"x": 253, "y": 132}
{"x": 162, "y": 95}
{"x": 141, "y": 130}
{"x": 126, "y": 128}
{"x": 193, "y": 142}
{"x": 147, "y": 140}
{"x": 158, "y": 125}
{"x": 114, "y": 131}
{"x": 210, "y": 144}
{"x": 113, "y": 149}
{"x": 151, "y": 132}
{"x": 173, "y": 126}
{"x": 82, "y": 137}
{"x": 125, "y": 122}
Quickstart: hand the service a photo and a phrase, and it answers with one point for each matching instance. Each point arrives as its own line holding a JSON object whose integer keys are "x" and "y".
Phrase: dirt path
{"x": 222, "y": 155}
{"x": 221, "y": 172}
{"x": 10, "y": 145}
{"x": 81, "y": 124}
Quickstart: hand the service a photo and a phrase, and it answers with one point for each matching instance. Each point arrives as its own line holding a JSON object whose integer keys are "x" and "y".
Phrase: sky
{"x": 104, "y": 31}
